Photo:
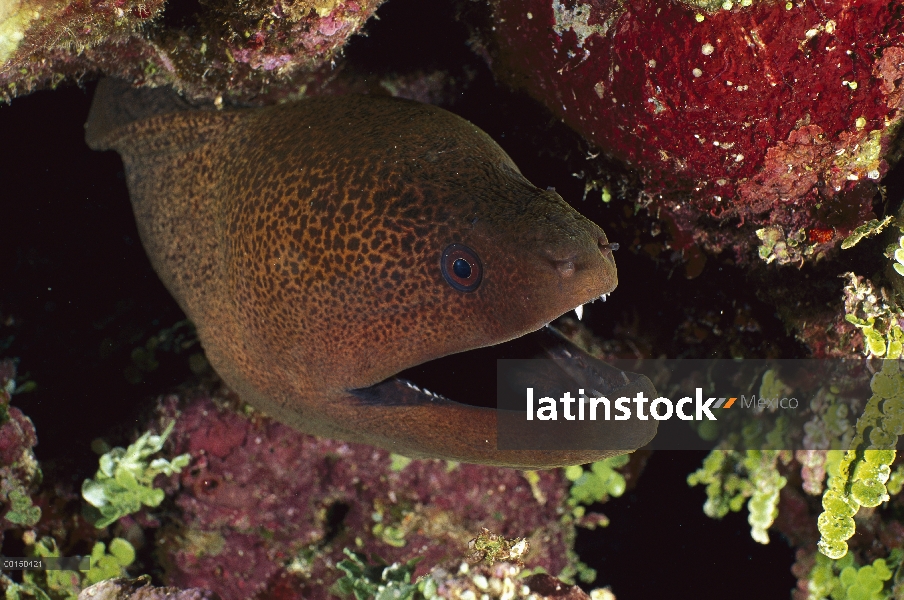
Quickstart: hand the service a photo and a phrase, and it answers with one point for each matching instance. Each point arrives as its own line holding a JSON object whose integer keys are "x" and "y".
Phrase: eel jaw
{"x": 579, "y": 309}
{"x": 403, "y": 416}
{"x": 583, "y": 371}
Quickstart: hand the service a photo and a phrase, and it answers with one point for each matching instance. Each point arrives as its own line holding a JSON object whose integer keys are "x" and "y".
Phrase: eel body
{"x": 323, "y": 246}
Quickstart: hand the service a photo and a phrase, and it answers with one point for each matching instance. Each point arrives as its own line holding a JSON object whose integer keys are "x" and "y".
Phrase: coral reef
{"x": 500, "y": 581}
{"x": 266, "y": 511}
{"x": 19, "y": 471}
{"x": 858, "y": 496}
{"x": 869, "y": 318}
{"x": 493, "y": 580}
{"x": 225, "y": 52}
{"x": 262, "y": 512}
{"x": 873, "y": 306}
{"x": 774, "y": 116}
{"x": 140, "y": 589}
{"x": 876, "y": 313}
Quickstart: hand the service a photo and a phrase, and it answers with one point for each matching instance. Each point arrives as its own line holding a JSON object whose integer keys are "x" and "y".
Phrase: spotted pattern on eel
{"x": 305, "y": 241}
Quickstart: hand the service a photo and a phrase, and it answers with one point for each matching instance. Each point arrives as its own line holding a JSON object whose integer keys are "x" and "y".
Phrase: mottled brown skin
{"x": 304, "y": 242}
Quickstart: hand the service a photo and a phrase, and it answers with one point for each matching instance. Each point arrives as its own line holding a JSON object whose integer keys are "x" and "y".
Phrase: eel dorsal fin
{"x": 146, "y": 121}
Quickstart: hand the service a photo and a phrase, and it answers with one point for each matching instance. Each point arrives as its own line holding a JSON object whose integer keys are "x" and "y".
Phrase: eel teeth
{"x": 425, "y": 391}
{"x": 579, "y": 311}
{"x": 603, "y": 297}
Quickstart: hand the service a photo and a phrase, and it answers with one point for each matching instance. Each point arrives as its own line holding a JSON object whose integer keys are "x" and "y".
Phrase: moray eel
{"x": 323, "y": 246}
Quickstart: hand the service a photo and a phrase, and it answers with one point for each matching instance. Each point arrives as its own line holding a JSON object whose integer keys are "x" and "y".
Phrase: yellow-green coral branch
{"x": 861, "y": 476}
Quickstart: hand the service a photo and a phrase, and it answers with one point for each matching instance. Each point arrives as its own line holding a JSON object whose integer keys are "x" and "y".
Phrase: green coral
{"x": 399, "y": 462}
{"x": 772, "y": 386}
{"x": 490, "y": 548}
{"x": 125, "y": 480}
{"x": 21, "y": 475}
{"x": 868, "y": 229}
{"x": 776, "y": 246}
{"x": 733, "y": 478}
{"x": 592, "y": 483}
{"x": 827, "y": 434}
{"x": 181, "y": 337}
{"x": 843, "y": 580}
{"x": 378, "y": 581}
{"x": 389, "y": 534}
{"x": 63, "y": 584}
{"x": 860, "y": 478}
{"x": 895, "y": 481}
{"x": 877, "y": 314}
{"x": 896, "y": 253}
{"x": 597, "y": 483}
{"x": 392, "y": 523}
{"x": 837, "y": 425}
{"x": 726, "y": 491}
{"x": 762, "y": 465}
{"x": 21, "y": 591}
{"x": 105, "y": 563}
{"x": 22, "y": 511}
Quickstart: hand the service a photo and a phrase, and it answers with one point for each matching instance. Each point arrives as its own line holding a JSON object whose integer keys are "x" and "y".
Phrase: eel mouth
{"x": 471, "y": 377}
{"x": 492, "y": 397}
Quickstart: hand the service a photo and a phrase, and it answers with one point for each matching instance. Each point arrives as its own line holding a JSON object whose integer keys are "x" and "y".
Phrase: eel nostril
{"x": 606, "y": 246}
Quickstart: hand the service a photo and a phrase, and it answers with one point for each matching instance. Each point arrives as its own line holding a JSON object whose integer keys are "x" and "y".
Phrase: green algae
{"x": 868, "y": 229}
{"x": 124, "y": 483}
{"x": 861, "y": 476}
{"x": 596, "y": 483}
{"x": 844, "y": 580}
{"x": 375, "y": 581}
{"x": 734, "y": 478}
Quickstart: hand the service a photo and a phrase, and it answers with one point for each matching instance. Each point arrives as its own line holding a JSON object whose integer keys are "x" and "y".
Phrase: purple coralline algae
{"x": 17, "y": 433}
{"x": 19, "y": 472}
{"x": 267, "y": 512}
{"x": 772, "y": 115}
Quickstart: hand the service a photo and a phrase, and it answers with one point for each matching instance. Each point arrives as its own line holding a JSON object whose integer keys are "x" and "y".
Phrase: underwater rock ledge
{"x": 764, "y": 114}
{"x": 227, "y": 52}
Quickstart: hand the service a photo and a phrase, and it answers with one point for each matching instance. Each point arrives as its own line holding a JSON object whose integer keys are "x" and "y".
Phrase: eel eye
{"x": 461, "y": 267}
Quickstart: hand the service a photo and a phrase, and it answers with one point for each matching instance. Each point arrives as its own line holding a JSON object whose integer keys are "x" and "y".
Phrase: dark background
{"x": 77, "y": 296}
